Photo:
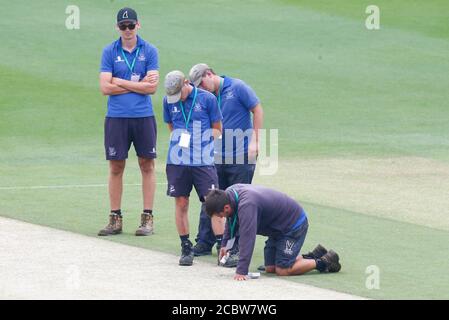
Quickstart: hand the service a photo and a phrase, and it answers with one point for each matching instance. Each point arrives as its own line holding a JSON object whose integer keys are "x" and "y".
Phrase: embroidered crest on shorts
{"x": 288, "y": 247}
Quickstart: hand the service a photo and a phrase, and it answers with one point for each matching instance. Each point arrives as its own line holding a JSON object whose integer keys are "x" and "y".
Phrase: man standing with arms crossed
{"x": 129, "y": 75}
{"x": 194, "y": 120}
{"x": 234, "y": 163}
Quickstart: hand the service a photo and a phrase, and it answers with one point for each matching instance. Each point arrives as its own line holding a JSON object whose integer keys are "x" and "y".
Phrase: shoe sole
{"x": 336, "y": 260}
{"x": 229, "y": 266}
{"x": 143, "y": 234}
{"x": 333, "y": 253}
{"x": 109, "y": 234}
{"x": 322, "y": 250}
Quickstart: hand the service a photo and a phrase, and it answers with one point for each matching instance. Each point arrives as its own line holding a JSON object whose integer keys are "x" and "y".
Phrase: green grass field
{"x": 362, "y": 115}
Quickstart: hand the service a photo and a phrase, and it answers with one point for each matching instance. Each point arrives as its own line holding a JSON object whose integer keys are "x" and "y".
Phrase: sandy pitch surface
{"x": 413, "y": 190}
{"x": 42, "y": 263}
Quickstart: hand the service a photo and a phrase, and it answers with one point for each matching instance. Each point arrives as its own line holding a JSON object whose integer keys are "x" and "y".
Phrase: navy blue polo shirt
{"x": 129, "y": 105}
{"x": 205, "y": 112}
{"x": 237, "y": 101}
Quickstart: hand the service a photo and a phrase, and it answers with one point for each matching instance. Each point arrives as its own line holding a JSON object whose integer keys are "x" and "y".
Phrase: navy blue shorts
{"x": 229, "y": 174}
{"x": 119, "y": 133}
{"x": 283, "y": 250}
{"x": 181, "y": 179}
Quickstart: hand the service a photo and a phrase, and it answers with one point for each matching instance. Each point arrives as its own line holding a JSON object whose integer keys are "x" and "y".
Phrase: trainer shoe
{"x": 114, "y": 226}
{"x": 201, "y": 249}
{"x": 316, "y": 253}
{"x": 232, "y": 261}
{"x": 331, "y": 259}
{"x": 146, "y": 225}
{"x": 186, "y": 254}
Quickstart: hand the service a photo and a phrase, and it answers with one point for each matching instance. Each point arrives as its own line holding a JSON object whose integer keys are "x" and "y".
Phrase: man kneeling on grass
{"x": 254, "y": 210}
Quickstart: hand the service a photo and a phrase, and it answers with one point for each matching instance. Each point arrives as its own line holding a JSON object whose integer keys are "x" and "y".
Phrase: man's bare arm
{"x": 107, "y": 87}
{"x": 253, "y": 148}
{"x": 147, "y": 85}
{"x": 216, "y": 129}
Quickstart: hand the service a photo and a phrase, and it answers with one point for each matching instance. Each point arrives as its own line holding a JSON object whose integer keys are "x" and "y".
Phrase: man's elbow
{"x": 105, "y": 91}
{"x": 151, "y": 89}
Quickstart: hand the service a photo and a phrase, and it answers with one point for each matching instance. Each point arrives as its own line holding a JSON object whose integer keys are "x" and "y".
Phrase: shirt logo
{"x": 229, "y": 95}
{"x": 141, "y": 57}
{"x": 119, "y": 59}
{"x": 197, "y": 107}
{"x": 175, "y": 110}
{"x": 288, "y": 247}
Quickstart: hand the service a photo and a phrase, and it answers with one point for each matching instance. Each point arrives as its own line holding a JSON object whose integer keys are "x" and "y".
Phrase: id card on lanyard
{"x": 135, "y": 77}
{"x": 232, "y": 224}
{"x": 184, "y": 141}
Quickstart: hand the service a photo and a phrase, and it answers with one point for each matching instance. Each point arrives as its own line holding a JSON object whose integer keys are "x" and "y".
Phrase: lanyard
{"x": 131, "y": 67}
{"x": 219, "y": 93}
{"x": 234, "y": 221}
{"x": 187, "y": 120}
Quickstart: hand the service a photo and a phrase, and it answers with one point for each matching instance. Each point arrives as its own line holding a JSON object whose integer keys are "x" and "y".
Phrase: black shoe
{"x": 261, "y": 268}
{"x": 186, "y": 254}
{"x": 331, "y": 259}
{"x": 202, "y": 249}
{"x": 317, "y": 253}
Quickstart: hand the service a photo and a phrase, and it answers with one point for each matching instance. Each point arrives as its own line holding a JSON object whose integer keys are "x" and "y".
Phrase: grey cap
{"x": 174, "y": 81}
{"x": 197, "y": 72}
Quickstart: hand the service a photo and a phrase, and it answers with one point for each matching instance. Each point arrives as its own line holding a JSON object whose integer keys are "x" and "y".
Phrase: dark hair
{"x": 215, "y": 201}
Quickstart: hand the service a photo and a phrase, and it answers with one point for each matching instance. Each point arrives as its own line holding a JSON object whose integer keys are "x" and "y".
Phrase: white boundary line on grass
{"x": 70, "y": 186}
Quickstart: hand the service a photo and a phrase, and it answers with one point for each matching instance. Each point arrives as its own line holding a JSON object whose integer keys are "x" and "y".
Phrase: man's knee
{"x": 283, "y": 271}
{"x": 146, "y": 165}
{"x": 116, "y": 167}
{"x": 182, "y": 203}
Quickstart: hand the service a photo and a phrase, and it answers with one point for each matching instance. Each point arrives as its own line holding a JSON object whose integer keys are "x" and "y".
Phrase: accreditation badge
{"x": 184, "y": 142}
{"x": 135, "y": 77}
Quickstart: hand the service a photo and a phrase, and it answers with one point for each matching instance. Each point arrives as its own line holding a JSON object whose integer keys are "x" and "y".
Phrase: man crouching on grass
{"x": 254, "y": 210}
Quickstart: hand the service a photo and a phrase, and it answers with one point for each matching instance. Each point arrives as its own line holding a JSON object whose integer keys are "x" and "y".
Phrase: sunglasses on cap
{"x": 130, "y": 26}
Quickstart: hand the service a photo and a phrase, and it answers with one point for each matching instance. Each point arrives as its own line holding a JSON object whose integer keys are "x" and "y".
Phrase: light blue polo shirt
{"x": 237, "y": 101}
{"x": 205, "y": 112}
{"x": 129, "y": 105}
